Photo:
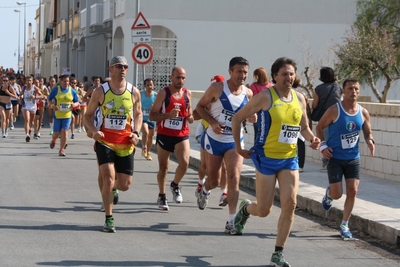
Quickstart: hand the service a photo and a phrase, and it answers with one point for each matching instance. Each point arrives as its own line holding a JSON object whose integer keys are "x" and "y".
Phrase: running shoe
{"x": 27, "y": 138}
{"x": 51, "y": 132}
{"x": 198, "y": 190}
{"x": 278, "y": 260}
{"x": 109, "y": 226}
{"x": 202, "y": 200}
{"x": 148, "y": 157}
{"x": 12, "y": 127}
{"x": 162, "y": 203}
{"x": 241, "y": 218}
{"x": 327, "y": 201}
{"x": 223, "y": 200}
{"x": 176, "y": 194}
{"x": 35, "y": 136}
{"x": 4, "y": 135}
{"x": 79, "y": 130}
{"x": 102, "y": 209}
{"x": 144, "y": 153}
{"x": 230, "y": 228}
{"x": 73, "y": 136}
{"x": 38, "y": 135}
{"x": 116, "y": 197}
{"x": 52, "y": 143}
{"x": 345, "y": 231}
{"x": 61, "y": 153}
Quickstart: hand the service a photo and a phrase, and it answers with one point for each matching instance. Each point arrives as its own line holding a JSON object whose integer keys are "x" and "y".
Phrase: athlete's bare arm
{"x": 156, "y": 115}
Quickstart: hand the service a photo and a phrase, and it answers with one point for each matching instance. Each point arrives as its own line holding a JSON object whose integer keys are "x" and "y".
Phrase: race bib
{"x": 349, "y": 140}
{"x": 289, "y": 134}
{"x": 115, "y": 122}
{"x": 64, "y": 107}
{"x": 174, "y": 123}
{"x": 146, "y": 112}
{"x": 225, "y": 118}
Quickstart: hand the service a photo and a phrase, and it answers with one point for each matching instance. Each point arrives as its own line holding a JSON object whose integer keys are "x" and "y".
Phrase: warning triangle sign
{"x": 140, "y": 22}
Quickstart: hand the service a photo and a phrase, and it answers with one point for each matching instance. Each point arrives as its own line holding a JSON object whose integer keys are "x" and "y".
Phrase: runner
{"x": 172, "y": 110}
{"x": 225, "y": 99}
{"x": 148, "y": 97}
{"x": 63, "y": 98}
{"x": 28, "y": 100}
{"x": 119, "y": 114}
{"x": 282, "y": 116}
{"x": 14, "y": 115}
{"x": 6, "y": 92}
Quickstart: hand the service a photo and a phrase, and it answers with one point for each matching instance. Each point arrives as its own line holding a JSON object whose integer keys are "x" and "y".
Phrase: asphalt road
{"x": 49, "y": 211}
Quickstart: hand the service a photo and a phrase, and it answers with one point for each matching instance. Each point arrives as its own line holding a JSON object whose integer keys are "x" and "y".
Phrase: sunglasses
{"x": 5, "y": 80}
{"x": 121, "y": 66}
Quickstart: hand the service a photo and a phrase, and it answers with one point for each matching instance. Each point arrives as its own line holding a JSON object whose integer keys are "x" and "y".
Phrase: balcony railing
{"x": 96, "y": 14}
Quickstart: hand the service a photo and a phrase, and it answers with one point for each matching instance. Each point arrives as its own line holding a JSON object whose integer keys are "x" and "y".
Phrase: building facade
{"x": 202, "y": 36}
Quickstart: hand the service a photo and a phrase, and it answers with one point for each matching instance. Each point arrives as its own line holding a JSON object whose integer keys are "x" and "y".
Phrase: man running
{"x": 63, "y": 99}
{"x": 217, "y": 106}
{"x": 172, "y": 110}
{"x": 114, "y": 118}
{"x": 282, "y": 116}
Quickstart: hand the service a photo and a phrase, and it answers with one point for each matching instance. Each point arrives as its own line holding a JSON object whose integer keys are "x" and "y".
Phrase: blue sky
{"x": 10, "y": 28}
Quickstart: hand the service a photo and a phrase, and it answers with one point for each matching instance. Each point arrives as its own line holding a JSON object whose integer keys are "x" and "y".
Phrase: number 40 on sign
{"x": 142, "y": 54}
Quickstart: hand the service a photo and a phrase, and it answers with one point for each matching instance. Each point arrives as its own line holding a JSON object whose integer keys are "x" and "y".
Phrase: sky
{"x": 10, "y": 29}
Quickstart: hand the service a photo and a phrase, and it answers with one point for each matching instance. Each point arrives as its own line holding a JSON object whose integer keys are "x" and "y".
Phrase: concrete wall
{"x": 385, "y": 122}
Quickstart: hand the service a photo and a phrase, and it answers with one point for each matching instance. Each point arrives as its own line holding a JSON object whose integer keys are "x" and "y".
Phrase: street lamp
{"x": 20, "y": 3}
{"x": 19, "y": 35}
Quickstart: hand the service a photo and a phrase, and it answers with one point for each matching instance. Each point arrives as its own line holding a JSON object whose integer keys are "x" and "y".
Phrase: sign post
{"x": 142, "y": 53}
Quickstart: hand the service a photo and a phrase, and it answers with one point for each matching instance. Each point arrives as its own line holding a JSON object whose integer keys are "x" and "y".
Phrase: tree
{"x": 380, "y": 13}
{"x": 369, "y": 53}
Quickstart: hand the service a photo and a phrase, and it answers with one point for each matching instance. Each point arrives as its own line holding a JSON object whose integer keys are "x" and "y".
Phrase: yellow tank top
{"x": 117, "y": 111}
{"x": 281, "y": 126}
{"x": 63, "y": 101}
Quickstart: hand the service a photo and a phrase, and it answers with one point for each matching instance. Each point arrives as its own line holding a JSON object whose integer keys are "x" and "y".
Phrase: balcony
{"x": 96, "y": 18}
{"x": 82, "y": 21}
{"x": 119, "y": 8}
{"x": 108, "y": 14}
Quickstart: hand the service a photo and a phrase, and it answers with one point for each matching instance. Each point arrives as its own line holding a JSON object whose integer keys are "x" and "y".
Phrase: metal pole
{"x": 24, "y": 37}
{"x": 67, "y": 34}
{"x": 136, "y": 67}
{"x": 19, "y": 36}
{"x": 19, "y": 3}
{"x": 38, "y": 36}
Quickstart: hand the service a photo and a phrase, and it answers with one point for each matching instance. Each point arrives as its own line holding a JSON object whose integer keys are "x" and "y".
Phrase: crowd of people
{"x": 115, "y": 114}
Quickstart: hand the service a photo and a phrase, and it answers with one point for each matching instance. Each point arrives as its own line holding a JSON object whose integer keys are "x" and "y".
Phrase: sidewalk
{"x": 376, "y": 212}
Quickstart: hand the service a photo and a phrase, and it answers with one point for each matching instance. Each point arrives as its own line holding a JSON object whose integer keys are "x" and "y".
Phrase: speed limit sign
{"x": 142, "y": 54}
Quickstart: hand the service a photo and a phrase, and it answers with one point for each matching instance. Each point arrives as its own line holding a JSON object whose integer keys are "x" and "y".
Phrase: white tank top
{"x": 223, "y": 110}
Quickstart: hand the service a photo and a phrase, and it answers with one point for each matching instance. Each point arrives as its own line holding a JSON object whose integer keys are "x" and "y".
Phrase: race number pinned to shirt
{"x": 225, "y": 118}
{"x": 65, "y": 107}
{"x": 146, "y": 112}
{"x": 289, "y": 134}
{"x": 115, "y": 122}
{"x": 174, "y": 123}
{"x": 349, "y": 140}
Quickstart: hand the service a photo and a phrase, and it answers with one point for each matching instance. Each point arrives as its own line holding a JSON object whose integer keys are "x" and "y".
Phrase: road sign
{"x": 141, "y": 30}
{"x": 141, "y": 39}
{"x": 140, "y": 23}
{"x": 142, "y": 54}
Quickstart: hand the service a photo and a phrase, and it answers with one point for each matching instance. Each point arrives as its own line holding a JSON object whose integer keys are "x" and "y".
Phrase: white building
{"x": 202, "y": 36}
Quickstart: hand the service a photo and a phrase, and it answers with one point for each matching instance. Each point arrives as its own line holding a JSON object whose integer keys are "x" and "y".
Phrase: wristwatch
{"x": 137, "y": 133}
